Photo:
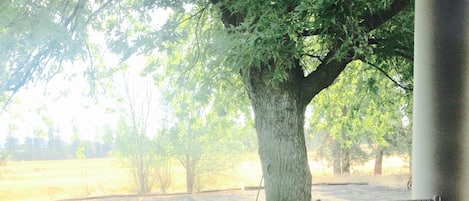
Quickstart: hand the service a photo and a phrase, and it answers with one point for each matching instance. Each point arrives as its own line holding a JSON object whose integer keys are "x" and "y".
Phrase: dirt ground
{"x": 323, "y": 192}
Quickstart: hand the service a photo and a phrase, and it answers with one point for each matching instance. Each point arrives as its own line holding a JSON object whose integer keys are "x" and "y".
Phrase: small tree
{"x": 12, "y": 145}
{"x": 138, "y": 150}
{"x": 3, "y": 157}
{"x": 204, "y": 131}
{"x": 133, "y": 139}
{"x": 162, "y": 170}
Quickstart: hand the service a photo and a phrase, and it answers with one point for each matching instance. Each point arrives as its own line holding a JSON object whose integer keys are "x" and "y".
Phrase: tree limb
{"x": 322, "y": 77}
{"x": 371, "y": 21}
{"x": 399, "y": 51}
{"x": 308, "y": 32}
{"x": 330, "y": 69}
{"x": 315, "y": 56}
{"x": 229, "y": 17}
{"x": 97, "y": 11}
{"x": 407, "y": 88}
{"x": 402, "y": 54}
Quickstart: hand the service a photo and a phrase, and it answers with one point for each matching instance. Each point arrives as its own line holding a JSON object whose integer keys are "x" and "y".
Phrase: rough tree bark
{"x": 345, "y": 161}
{"x": 336, "y": 159}
{"x": 190, "y": 164}
{"x": 340, "y": 159}
{"x": 279, "y": 119}
{"x": 379, "y": 163}
{"x": 189, "y": 179}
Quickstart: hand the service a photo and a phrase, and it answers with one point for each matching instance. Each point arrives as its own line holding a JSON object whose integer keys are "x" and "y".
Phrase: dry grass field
{"x": 55, "y": 180}
{"x": 50, "y": 180}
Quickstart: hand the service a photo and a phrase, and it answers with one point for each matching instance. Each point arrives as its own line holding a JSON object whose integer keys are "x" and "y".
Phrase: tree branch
{"x": 322, "y": 77}
{"x": 399, "y": 51}
{"x": 404, "y": 55}
{"x": 229, "y": 17}
{"x": 316, "y": 57}
{"x": 371, "y": 21}
{"x": 407, "y": 88}
{"x": 308, "y": 32}
{"x": 97, "y": 11}
{"x": 330, "y": 69}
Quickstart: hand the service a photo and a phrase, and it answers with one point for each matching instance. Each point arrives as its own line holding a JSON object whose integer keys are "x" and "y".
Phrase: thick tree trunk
{"x": 190, "y": 174}
{"x": 379, "y": 163}
{"x": 279, "y": 118}
{"x": 345, "y": 161}
{"x": 189, "y": 180}
{"x": 340, "y": 159}
{"x": 336, "y": 159}
{"x": 141, "y": 179}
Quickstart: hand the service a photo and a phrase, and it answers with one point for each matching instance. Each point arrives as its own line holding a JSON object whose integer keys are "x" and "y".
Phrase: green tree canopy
{"x": 362, "y": 107}
{"x": 39, "y": 37}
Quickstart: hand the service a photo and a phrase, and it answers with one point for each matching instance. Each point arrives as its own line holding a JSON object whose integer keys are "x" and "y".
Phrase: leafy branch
{"x": 328, "y": 71}
{"x": 407, "y": 88}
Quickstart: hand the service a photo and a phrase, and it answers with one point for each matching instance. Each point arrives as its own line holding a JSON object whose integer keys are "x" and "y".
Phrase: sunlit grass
{"x": 48, "y": 180}
{"x": 54, "y": 180}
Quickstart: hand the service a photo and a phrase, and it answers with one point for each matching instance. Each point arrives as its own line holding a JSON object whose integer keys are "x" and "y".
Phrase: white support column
{"x": 440, "y": 164}
{"x": 423, "y": 139}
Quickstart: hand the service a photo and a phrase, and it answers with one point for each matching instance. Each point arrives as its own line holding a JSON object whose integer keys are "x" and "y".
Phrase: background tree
{"x": 162, "y": 170}
{"x": 134, "y": 132}
{"x": 208, "y": 115}
{"x": 374, "y": 118}
{"x": 3, "y": 157}
{"x": 204, "y": 135}
{"x": 77, "y": 145}
{"x": 12, "y": 145}
{"x": 138, "y": 149}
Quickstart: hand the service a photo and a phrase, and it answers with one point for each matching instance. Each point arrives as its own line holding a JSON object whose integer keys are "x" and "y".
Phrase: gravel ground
{"x": 359, "y": 193}
{"x": 322, "y": 192}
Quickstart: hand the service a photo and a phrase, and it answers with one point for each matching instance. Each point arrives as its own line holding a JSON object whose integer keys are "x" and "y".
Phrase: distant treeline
{"x": 52, "y": 148}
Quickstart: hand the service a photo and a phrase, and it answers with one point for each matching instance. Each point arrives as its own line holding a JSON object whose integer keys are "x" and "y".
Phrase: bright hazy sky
{"x": 76, "y": 109}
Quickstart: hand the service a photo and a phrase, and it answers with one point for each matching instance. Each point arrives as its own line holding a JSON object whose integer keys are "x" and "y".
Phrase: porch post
{"x": 440, "y": 164}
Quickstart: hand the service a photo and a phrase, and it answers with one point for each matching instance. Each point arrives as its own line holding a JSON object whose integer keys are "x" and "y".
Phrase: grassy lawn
{"x": 54, "y": 180}
{"x": 49, "y": 180}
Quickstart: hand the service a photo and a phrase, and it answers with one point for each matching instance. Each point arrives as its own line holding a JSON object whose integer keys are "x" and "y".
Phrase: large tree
{"x": 285, "y": 51}
{"x": 289, "y": 51}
